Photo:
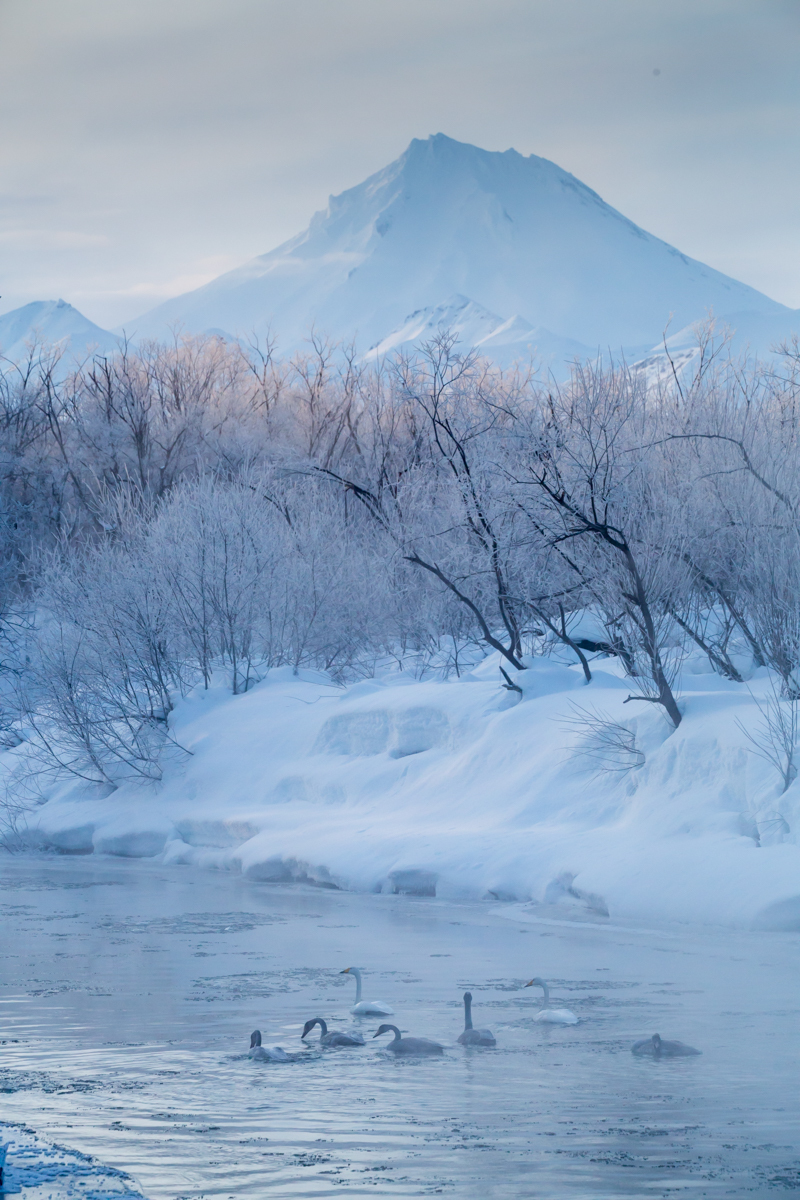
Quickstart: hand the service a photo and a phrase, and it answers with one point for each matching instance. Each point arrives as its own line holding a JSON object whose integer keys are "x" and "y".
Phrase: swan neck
{"x": 468, "y": 1014}
{"x": 355, "y": 971}
{"x": 546, "y": 991}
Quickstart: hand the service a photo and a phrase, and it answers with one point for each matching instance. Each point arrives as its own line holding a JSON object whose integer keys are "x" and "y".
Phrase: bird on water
{"x": 656, "y": 1047}
{"x": 548, "y": 1015}
{"x": 408, "y": 1045}
{"x": 472, "y": 1036}
{"x": 265, "y": 1053}
{"x": 366, "y": 1008}
{"x": 332, "y": 1038}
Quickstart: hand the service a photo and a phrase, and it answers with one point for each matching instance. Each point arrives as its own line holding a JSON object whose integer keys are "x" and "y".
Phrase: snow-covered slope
{"x": 503, "y": 340}
{"x": 756, "y": 333}
{"x": 515, "y": 235}
{"x": 457, "y": 788}
{"x": 749, "y": 335}
{"x": 52, "y": 323}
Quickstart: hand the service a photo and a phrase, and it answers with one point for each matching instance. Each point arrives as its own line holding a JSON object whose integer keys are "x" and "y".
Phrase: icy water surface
{"x": 128, "y": 993}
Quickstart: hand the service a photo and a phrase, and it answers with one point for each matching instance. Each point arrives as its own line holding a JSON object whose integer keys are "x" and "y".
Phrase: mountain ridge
{"x": 512, "y": 253}
{"x": 52, "y": 323}
{"x": 515, "y": 234}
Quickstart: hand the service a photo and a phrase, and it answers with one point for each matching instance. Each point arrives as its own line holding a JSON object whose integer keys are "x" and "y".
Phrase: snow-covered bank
{"x": 467, "y": 789}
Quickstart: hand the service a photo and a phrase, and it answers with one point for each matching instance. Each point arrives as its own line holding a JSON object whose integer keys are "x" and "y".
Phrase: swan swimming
{"x": 470, "y": 1036}
{"x": 408, "y": 1045}
{"x": 265, "y": 1053}
{"x": 333, "y": 1038}
{"x": 366, "y": 1008}
{"x": 656, "y": 1047}
{"x": 548, "y": 1015}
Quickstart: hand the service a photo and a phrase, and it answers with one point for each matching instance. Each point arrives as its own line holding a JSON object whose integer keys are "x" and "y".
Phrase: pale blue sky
{"x": 148, "y": 145}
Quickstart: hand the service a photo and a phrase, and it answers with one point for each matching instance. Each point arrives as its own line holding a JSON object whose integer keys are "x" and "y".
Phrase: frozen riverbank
{"x": 464, "y": 789}
{"x": 129, "y": 992}
{"x": 37, "y": 1170}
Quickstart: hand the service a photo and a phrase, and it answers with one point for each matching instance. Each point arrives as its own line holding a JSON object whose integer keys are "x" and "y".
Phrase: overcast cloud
{"x": 149, "y": 145}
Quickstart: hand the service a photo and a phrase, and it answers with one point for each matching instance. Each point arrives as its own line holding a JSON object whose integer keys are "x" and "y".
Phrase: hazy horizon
{"x": 149, "y": 149}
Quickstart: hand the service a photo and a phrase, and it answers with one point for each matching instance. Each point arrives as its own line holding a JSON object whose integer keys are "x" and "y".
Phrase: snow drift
{"x": 460, "y": 788}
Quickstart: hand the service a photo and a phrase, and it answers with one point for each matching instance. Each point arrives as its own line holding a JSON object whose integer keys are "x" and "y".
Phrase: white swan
{"x": 408, "y": 1045}
{"x": 366, "y": 1008}
{"x": 470, "y": 1036}
{"x": 656, "y": 1047}
{"x": 548, "y": 1015}
{"x": 333, "y": 1037}
{"x": 265, "y": 1053}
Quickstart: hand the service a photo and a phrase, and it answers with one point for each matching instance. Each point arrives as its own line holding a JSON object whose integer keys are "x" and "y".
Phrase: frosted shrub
{"x": 218, "y": 511}
{"x": 102, "y": 675}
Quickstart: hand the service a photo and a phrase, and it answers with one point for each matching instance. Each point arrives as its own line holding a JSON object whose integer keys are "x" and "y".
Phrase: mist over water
{"x": 129, "y": 992}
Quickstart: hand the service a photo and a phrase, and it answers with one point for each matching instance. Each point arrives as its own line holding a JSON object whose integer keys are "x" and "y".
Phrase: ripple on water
{"x": 106, "y": 1049}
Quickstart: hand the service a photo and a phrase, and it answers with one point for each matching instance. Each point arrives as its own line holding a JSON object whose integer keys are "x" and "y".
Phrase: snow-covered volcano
{"x": 518, "y": 236}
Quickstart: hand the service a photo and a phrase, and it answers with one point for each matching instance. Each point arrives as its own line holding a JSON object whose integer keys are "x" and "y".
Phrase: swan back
{"x": 263, "y": 1053}
{"x": 657, "y": 1047}
{"x": 556, "y": 1016}
{"x": 408, "y": 1045}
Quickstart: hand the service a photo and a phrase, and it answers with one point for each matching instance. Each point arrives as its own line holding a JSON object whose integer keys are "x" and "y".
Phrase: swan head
{"x": 536, "y": 982}
{"x": 309, "y": 1025}
{"x": 468, "y": 997}
{"x": 255, "y": 1038}
{"x": 656, "y": 1041}
{"x": 383, "y": 1029}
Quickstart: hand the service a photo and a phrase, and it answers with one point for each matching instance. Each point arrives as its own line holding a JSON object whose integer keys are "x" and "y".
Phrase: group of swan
{"x": 654, "y": 1047}
{"x": 400, "y": 1045}
{"x": 331, "y": 1039}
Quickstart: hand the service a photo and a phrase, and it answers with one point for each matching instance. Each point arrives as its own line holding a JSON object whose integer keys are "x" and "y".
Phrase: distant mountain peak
{"x": 516, "y": 234}
{"x": 53, "y": 323}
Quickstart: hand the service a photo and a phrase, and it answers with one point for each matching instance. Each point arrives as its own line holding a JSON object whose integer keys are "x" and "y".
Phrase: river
{"x": 129, "y": 991}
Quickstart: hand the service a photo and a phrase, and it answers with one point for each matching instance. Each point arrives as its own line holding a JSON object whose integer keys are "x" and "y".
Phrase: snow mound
{"x": 379, "y": 731}
{"x": 464, "y": 788}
